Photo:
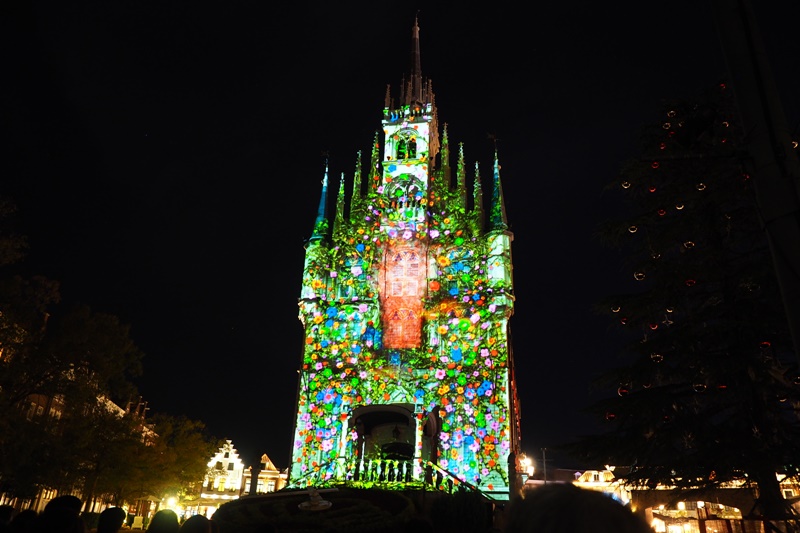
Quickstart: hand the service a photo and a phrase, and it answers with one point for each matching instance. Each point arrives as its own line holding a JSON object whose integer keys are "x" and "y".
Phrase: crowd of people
{"x": 555, "y": 508}
{"x": 63, "y": 515}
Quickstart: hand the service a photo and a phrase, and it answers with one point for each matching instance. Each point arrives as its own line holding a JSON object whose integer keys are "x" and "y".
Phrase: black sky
{"x": 166, "y": 157}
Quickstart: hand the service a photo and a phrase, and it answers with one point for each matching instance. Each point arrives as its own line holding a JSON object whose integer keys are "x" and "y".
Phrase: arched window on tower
{"x": 402, "y": 149}
{"x": 406, "y": 145}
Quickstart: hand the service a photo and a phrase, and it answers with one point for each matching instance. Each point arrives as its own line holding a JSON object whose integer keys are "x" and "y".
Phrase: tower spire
{"x": 477, "y": 197}
{"x": 375, "y": 163}
{"x": 415, "y": 83}
{"x": 461, "y": 178}
{"x": 356, "y": 196}
{"x": 339, "y": 220}
{"x": 444, "y": 160}
{"x": 497, "y": 211}
{"x": 321, "y": 223}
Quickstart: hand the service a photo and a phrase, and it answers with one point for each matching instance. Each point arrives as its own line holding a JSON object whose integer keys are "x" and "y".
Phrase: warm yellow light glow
{"x": 681, "y": 506}
{"x": 527, "y": 465}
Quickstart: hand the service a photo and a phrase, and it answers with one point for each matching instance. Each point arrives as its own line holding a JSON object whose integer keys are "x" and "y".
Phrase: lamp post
{"x": 544, "y": 464}
{"x": 527, "y": 467}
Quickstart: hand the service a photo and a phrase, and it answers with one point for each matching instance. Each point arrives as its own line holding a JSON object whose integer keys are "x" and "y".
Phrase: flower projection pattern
{"x": 456, "y": 374}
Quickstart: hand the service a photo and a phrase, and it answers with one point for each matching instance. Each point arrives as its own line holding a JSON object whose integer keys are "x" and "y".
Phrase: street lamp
{"x": 527, "y": 467}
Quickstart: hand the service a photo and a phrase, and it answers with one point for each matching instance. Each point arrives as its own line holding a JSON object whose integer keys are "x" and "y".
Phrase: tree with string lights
{"x": 707, "y": 391}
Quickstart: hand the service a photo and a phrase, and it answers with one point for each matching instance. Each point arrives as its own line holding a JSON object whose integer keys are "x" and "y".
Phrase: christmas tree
{"x": 707, "y": 393}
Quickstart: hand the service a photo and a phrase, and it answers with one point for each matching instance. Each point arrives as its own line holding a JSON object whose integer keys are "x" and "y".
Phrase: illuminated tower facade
{"x": 407, "y": 373}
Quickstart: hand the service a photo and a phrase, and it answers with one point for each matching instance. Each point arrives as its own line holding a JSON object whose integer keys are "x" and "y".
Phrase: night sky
{"x": 167, "y": 157}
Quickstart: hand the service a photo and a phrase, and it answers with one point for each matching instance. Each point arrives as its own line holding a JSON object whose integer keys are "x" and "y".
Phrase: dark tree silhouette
{"x": 706, "y": 392}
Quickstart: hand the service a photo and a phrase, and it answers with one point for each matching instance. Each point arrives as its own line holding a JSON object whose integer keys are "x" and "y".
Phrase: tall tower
{"x": 407, "y": 373}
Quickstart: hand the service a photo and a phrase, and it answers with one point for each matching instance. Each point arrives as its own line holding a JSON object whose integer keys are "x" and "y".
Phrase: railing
{"x": 451, "y": 481}
{"x": 390, "y": 473}
{"x": 385, "y": 470}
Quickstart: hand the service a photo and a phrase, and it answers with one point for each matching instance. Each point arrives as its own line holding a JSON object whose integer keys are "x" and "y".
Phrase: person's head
{"x": 196, "y": 524}
{"x": 164, "y": 521}
{"x": 6, "y": 513}
{"x": 565, "y": 508}
{"x": 111, "y": 520}
{"x": 66, "y": 501}
{"x": 56, "y": 519}
{"x": 24, "y": 521}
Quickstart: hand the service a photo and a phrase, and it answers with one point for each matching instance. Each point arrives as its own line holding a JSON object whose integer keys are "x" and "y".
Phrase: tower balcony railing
{"x": 389, "y": 474}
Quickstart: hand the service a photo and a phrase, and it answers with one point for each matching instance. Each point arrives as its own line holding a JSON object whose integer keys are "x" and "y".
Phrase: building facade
{"x": 228, "y": 479}
{"x": 407, "y": 372}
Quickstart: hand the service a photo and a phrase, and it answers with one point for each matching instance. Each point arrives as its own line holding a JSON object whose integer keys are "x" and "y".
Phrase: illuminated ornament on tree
{"x": 638, "y": 276}
{"x": 656, "y": 357}
{"x": 623, "y": 390}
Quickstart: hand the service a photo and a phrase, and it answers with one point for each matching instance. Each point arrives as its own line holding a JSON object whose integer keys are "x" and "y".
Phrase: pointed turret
{"x": 375, "y": 163}
{"x": 339, "y": 220}
{"x": 321, "y": 224}
{"x": 355, "y": 197}
{"x": 461, "y": 178}
{"x": 497, "y": 210}
{"x": 444, "y": 162}
{"x": 414, "y": 94}
{"x": 477, "y": 200}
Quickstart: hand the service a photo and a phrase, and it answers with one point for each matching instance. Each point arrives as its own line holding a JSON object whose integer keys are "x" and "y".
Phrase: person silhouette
{"x": 196, "y": 524}
{"x": 111, "y": 520}
{"x": 24, "y": 521}
{"x": 566, "y": 508}
{"x": 164, "y": 521}
{"x": 67, "y": 501}
{"x": 58, "y": 519}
